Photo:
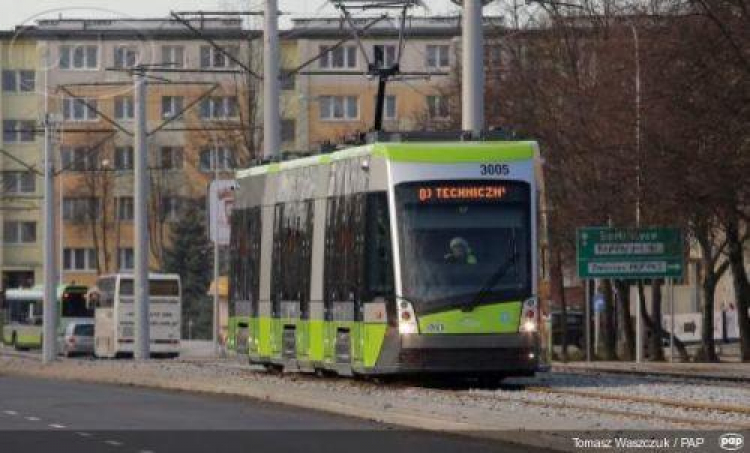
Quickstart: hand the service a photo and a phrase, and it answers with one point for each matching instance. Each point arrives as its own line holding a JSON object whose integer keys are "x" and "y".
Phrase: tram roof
{"x": 421, "y": 152}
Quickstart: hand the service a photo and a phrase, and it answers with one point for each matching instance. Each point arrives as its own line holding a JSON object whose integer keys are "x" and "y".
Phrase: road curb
{"x": 390, "y": 415}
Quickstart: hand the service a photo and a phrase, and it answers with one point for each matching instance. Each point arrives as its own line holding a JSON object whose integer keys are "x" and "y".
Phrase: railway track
{"x": 717, "y": 380}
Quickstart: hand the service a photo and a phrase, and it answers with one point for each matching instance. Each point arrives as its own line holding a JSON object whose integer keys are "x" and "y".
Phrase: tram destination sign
{"x": 629, "y": 253}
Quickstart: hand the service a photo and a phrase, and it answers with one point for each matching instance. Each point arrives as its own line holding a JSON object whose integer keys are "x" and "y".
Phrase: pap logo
{"x": 731, "y": 441}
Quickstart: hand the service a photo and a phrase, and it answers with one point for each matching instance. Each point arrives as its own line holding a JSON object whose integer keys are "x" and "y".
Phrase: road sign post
{"x": 630, "y": 254}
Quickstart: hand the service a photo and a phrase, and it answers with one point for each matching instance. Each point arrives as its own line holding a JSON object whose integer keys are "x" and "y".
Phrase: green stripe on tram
{"x": 455, "y": 153}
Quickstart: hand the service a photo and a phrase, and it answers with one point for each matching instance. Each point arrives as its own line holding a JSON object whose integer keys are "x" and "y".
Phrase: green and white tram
{"x": 390, "y": 258}
{"x": 23, "y": 309}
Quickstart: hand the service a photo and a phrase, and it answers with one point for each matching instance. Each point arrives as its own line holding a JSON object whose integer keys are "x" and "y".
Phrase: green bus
{"x": 389, "y": 258}
{"x": 22, "y": 312}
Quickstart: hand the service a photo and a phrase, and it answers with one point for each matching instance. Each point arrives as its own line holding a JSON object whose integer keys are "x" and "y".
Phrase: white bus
{"x": 114, "y": 328}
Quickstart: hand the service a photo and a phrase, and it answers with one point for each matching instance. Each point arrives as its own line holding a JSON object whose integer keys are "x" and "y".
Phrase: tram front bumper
{"x": 511, "y": 354}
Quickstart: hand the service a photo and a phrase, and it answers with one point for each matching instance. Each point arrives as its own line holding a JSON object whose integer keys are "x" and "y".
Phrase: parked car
{"x": 77, "y": 339}
{"x": 576, "y": 332}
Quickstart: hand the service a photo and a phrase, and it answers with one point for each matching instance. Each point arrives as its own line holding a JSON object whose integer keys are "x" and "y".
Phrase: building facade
{"x": 199, "y": 123}
{"x": 21, "y": 161}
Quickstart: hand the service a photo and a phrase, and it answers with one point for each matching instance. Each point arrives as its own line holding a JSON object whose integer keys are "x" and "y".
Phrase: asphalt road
{"x": 59, "y": 416}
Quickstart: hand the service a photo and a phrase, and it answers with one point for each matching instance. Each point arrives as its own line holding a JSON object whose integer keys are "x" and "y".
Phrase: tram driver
{"x": 460, "y": 252}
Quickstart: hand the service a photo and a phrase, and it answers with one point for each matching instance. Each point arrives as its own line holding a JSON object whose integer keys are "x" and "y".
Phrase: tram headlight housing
{"x": 407, "y": 321}
{"x": 529, "y": 315}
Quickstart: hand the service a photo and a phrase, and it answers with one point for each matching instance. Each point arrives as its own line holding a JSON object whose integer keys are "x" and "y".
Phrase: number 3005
{"x": 494, "y": 169}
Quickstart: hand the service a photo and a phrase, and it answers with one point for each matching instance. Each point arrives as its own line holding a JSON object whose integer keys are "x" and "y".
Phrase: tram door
{"x": 277, "y": 278}
{"x": 291, "y": 280}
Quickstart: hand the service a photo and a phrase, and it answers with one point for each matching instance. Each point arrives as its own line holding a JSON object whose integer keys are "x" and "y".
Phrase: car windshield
{"x": 460, "y": 238}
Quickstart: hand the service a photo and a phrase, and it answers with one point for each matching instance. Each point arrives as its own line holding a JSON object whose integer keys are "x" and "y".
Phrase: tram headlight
{"x": 407, "y": 322}
{"x": 529, "y": 315}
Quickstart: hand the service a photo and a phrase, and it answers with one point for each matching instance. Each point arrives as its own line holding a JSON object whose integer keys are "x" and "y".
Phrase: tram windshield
{"x": 464, "y": 240}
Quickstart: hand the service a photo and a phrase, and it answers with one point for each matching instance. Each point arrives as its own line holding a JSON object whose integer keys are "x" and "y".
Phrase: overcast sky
{"x": 15, "y": 12}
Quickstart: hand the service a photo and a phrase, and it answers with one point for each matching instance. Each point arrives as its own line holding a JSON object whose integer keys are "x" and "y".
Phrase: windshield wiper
{"x": 502, "y": 270}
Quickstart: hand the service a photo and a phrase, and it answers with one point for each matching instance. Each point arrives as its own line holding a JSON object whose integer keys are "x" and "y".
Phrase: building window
{"x": 213, "y": 58}
{"x": 339, "y": 107}
{"x": 384, "y": 56}
{"x": 340, "y": 57}
{"x": 219, "y": 108}
{"x": 288, "y": 130}
{"x": 19, "y": 81}
{"x": 389, "y": 107}
{"x": 124, "y": 108}
{"x": 124, "y": 158}
{"x": 437, "y": 107}
{"x": 125, "y": 258}
{"x": 19, "y": 232}
{"x": 17, "y": 131}
{"x": 220, "y": 159}
{"x": 81, "y": 208}
{"x": 288, "y": 81}
{"x": 438, "y": 56}
{"x": 19, "y": 182}
{"x": 171, "y": 158}
{"x": 171, "y": 106}
{"x": 173, "y": 56}
{"x": 79, "y": 109}
{"x": 78, "y": 158}
{"x": 125, "y": 208}
{"x": 171, "y": 208}
{"x": 79, "y": 259}
{"x": 79, "y": 57}
{"x": 125, "y": 57}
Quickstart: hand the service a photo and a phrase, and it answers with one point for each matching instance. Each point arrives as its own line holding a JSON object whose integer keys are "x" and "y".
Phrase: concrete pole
{"x": 49, "y": 319}
{"x": 473, "y": 68}
{"x": 271, "y": 89}
{"x": 142, "y": 325}
{"x": 216, "y": 256}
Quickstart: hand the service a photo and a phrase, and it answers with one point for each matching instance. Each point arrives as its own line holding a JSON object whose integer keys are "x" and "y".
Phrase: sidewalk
{"x": 726, "y": 371}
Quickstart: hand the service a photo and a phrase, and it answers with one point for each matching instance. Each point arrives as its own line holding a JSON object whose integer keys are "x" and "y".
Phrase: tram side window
{"x": 378, "y": 247}
{"x": 293, "y": 252}
{"x": 238, "y": 241}
{"x": 345, "y": 248}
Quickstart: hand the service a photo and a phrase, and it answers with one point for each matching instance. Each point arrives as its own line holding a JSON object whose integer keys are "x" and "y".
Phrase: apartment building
{"x": 21, "y": 159}
{"x": 204, "y": 118}
{"x": 332, "y": 105}
{"x": 200, "y": 127}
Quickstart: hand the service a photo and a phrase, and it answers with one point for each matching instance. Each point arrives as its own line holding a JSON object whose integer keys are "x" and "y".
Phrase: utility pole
{"x": 49, "y": 319}
{"x": 638, "y": 188}
{"x": 216, "y": 254}
{"x": 472, "y": 53}
{"x": 271, "y": 116}
{"x": 140, "y": 277}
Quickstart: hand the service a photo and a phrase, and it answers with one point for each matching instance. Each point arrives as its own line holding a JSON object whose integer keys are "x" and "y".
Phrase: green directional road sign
{"x": 629, "y": 253}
